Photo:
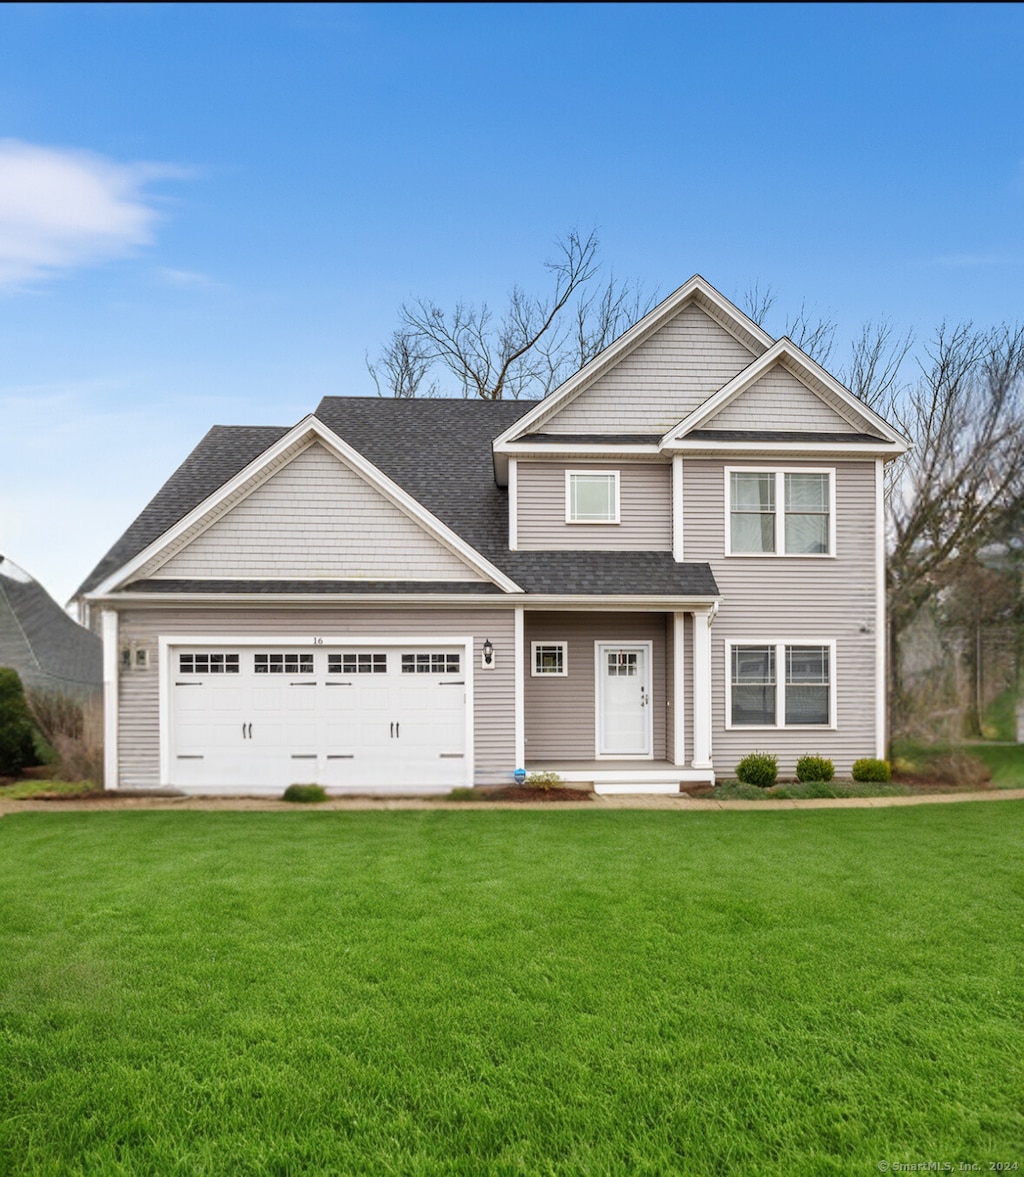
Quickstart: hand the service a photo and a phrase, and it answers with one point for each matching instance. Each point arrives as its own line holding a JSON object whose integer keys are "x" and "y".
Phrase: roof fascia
{"x": 784, "y": 350}
{"x": 590, "y": 601}
{"x": 544, "y": 449}
{"x": 313, "y": 429}
{"x": 779, "y": 449}
{"x": 627, "y": 342}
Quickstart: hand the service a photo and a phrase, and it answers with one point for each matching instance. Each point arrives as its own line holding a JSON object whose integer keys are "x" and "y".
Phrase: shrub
{"x": 958, "y": 767}
{"x": 73, "y": 731}
{"x": 464, "y": 793}
{"x": 17, "y": 747}
{"x": 543, "y": 780}
{"x": 815, "y": 768}
{"x": 759, "y": 768}
{"x": 869, "y": 769}
{"x": 304, "y": 794}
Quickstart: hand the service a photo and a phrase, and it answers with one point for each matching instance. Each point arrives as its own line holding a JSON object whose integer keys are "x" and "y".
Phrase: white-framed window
{"x": 591, "y": 496}
{"x": 779, "y": 512}
{"x": 780, "y": 684}
{"x": 549, "y": 658}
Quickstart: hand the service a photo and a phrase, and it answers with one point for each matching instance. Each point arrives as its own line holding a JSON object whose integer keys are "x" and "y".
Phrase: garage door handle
{"x": 398, "y": 729}
{"x": 392, "y": 731}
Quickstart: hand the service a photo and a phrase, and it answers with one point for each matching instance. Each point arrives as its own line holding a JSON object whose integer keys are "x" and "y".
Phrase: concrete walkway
{"x": 682, "y": 803}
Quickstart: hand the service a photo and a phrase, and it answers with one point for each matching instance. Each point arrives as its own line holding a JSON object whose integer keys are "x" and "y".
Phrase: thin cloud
{"x": 62, "y": 209}
{"x": 183, "y": 279}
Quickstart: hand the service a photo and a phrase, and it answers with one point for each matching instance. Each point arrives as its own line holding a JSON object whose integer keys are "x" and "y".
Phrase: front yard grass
{"x": 508, "y": 992}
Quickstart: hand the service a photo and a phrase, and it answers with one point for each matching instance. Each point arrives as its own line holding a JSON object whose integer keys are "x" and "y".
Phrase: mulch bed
{"x": 531, "y": 793}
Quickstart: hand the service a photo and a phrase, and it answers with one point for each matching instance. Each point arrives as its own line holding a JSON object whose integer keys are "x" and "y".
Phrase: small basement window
{"x": 549, "y": 658}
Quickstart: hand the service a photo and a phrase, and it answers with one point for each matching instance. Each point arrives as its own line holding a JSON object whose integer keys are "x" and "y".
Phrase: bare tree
{"x": 527, "y": 351}
{"x": 816, "y": 336}
{"x": 402, "y": 366}
{"x": 875, "y": 365}
{"x": 965, "y": 472}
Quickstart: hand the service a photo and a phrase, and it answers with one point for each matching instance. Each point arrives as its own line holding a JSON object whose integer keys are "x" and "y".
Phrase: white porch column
{"x": 111, "y": 702}
{"x": 702, "y": 689}
{"x": 520, "y": 689}
{"x": 678, "y": 689}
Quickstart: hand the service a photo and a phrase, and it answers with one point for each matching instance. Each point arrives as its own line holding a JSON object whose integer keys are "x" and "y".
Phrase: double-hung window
{"x": 780, "y": 512}
{"x": 781, "y": 684}
{"x": 591, "y": 496}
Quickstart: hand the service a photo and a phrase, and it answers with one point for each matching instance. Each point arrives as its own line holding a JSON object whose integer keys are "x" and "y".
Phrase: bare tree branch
{"x": 401, "y": 367}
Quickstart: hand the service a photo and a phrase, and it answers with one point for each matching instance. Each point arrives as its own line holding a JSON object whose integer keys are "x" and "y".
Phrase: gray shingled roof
{"x": 440, "y": 452}
{"x": 40, "y": 640}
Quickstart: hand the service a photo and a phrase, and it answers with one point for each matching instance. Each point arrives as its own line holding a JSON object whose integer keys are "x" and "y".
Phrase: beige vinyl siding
{"x": 659, "y": 382}
{"x": 793, "y": 598}
{"x": 645, "y": 508}
{"x": 493, "y": 690}
{"x": 561, "y": 712}
{"x": 779, "y": 401}
{"x": 316, "y": 517}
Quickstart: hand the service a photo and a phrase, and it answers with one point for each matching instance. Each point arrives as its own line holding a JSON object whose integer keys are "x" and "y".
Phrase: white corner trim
{"x": 881, "y": 634}
{"x": 701, "y": 698}
{"x": 784, "y": 349}
{"x": 655, "y": 318}
{"x": 513, "y": 505}
{"x": 520, "y": 687}
{"x": 111, "y": 698}
{"x": 677, "y": 508}
{"x": 312, "y": 429}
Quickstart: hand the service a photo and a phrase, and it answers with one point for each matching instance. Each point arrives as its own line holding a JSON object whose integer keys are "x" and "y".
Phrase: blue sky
{"x": 210, "y": 214}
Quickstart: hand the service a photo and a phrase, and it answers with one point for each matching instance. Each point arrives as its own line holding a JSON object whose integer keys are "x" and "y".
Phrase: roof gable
{"x": 314, "y": 517}
{"x": 788, "y": 392}
{"x": 274, "y": 458}
{"x": 667, "y": 364}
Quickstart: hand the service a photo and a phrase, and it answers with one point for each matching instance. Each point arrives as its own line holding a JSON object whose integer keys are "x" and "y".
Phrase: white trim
{"x": 780, "y": 473}
{"x": 679, "y": 688}
{"x": 111, "y": 697}
{"x": 570, "y": 475}
{"x": 648, "y": 686}
{"x": 308, "y": 430}
{"x": 519, "y": 687}
{"x": 700, "y": 705}
{"x": 169, "y": 642}
{"x": 780, "y": 724}
{"x": 513, "y": 505}
{"x": 785, "y": 349}
{"x": 677, "y": 508}
{"x": 783, "y": 449}
{"x": 697, "y": 289}
{"x": 881, "y": 651}
{"x": 535, "y": 673}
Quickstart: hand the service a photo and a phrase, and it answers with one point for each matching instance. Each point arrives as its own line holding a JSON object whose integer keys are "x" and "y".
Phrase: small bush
{"x": 72, "y": 729}
{"x": 957, "y": 767}
{"x": 17, "y": 745}
{"x": 815, "y": 768}
{"x": 543, "y": 780}
{"x": 304, "y": 794}
{"x": 869, "y": 769}
{"x": 759, "y": 768}
{"x": 464, "y": 793}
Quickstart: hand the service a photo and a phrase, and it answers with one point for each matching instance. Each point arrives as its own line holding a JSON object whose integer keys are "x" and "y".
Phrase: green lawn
{"x": 503, "y": 992}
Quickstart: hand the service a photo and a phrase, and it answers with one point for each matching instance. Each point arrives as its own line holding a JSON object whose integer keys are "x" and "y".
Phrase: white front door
{"x": 624, "y": 712}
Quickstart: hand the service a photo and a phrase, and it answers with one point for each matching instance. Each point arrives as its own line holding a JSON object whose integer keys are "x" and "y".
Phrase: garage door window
{"x": 283, "y": 663}
{"x": 431, "y": 663}
{"x": 357, "y": 663}
{"x": 208, "y": 663}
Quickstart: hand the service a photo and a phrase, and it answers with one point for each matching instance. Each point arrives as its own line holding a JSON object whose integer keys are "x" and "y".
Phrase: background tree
{"x": 525, "y": 351}
{"x": 16, "y": 744}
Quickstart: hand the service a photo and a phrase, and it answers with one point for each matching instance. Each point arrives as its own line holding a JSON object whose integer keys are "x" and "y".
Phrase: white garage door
{"x": 347, "y": 717}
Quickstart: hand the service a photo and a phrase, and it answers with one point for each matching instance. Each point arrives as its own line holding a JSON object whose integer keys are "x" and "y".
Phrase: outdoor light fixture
{"x": 487, "y": 659}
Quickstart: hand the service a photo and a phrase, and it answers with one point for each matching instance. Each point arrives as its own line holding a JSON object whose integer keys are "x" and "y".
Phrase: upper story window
{"x": 592, "y": 496}
{"x": 780, "y": 512}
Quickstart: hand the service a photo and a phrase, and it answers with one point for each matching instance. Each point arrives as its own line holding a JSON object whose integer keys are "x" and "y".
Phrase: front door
{"x": 624, "y": 710}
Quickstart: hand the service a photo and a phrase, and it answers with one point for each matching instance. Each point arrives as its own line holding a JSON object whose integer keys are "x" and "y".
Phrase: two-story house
{"x": 674, "y": 559}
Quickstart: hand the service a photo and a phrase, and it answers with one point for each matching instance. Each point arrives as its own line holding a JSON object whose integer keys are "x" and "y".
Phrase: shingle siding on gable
{"x": 316, "y": 518}
{"x": 776, "y": 598}
{"x": 779, "y": 401}
{"x": 659, "y": 383}
{"x": 645, "y": 492}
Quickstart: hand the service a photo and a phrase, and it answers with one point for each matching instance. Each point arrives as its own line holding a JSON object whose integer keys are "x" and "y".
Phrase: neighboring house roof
{"x": 40, "y": 641}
